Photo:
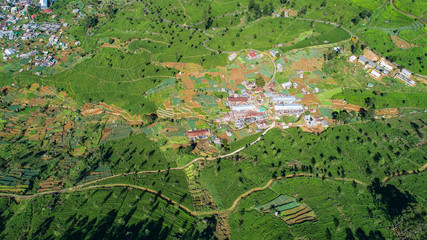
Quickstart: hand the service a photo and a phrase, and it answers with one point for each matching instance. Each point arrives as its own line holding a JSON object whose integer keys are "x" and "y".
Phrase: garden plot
{"x": 340, "y": 104}
{"x": 288, "y": 209}
{"x": 200, "y": 196}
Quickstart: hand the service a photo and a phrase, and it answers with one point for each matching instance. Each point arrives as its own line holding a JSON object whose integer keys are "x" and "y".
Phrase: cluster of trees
{"x": 367, "y": 113}
{"x": 259, "y": 81}
{"x": 362, "y": 15}
{"x": 255, "y": 11}
{"x": 90, "y": 21}
{"x": 207, "y": 17}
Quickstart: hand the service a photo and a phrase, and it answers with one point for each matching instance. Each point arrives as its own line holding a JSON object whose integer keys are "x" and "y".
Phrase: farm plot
{"x": 99, "y": 173}
{"x": 288, "y": 209}
{"x": 200, "y": 197}
{"x": 16, "y": 180}
{"x": 49, "y": 184}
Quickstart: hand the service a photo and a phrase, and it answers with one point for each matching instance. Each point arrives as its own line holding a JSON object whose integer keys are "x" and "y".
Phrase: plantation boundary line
{"x": 194, "y": 213}
{"x": 405, "y": 13}
{"x": 423, "y": 168}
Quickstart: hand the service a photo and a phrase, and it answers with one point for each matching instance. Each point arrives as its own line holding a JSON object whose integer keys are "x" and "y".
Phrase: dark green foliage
{"x": 90, "y": 22}
{"x": 101, "y": 214}
{"x": 135, "y": 153}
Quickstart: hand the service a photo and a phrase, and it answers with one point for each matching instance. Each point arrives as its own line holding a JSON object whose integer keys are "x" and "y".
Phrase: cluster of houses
{"x": 243, "y": 110}
{"x": 254, "y": 55}
{"x": 286, "y": 105}
{"x": 315, "y": 121}
{"x": 47, "y": 61}
{"x": 16, "y": 10}
{"x": 378, "y": 67}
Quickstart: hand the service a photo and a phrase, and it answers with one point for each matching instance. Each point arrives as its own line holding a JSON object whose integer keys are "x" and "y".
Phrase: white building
{"x": 352, "y": 58}
{"x": 406, "y": 72}
{"x": 288, "y": 107}
{"x": 287, "y": 99}
{"x": 241, "y": 108}
{"x": 9, "y": 52}
{"x": 386, "y": 65}
{"x": 279, "y": 67}
{"x": 375, "y": 73}
{"x": 44, "y": 4}
{"x": 311, "y": 122}
{"x": 232, "y": 56}
{"x": 287, "y": 85}
{"x": 405, "y": 79}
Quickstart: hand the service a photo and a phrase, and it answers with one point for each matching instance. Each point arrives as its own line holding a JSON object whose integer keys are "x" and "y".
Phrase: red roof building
{"x": 199, "y": 134}
{"x": 33, "y": 16}
{"x": 48, "y": 11}
{"x": 237, "y": 100}
{"x": 252, "y": 54}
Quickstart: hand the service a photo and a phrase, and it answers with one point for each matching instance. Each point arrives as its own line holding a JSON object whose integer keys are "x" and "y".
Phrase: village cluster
{"x": 378, "y": 67}
{"x": 260, "y": 106}
{"x": 22, "y": 34}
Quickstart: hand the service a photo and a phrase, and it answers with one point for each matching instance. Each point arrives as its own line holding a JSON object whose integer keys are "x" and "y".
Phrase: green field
{"x": 108, "y": 214}
{"x": 384, "y": 99}
{"x": 98, "y": 146}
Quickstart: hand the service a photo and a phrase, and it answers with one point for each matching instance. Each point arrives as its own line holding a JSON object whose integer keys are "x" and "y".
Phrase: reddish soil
{"x": 387, "y": 112}
{"x": 310, "y": 100}
{"x": 370, "y": 55}
{"x": 400, "y": 43}
{"x": 339, "y": 104}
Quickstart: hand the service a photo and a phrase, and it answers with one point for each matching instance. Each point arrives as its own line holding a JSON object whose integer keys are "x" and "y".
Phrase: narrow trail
{"x": 194, "y": 213}
{"x": 393, "y": 4}
{"x": 423, "y": 168}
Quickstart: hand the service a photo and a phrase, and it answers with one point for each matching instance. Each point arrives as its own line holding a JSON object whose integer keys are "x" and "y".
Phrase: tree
{"x": 260, "y": 81}
{"x": 266, "y": 10}
{"x": 328, "y": 234}
{"x": 111, "y": 11}
{"x": 90, "y": 21}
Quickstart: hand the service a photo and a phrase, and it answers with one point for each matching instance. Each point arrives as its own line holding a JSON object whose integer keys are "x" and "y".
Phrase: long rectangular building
{"x": 405, "y": 79}
{"x": 243, "y": 107}
{"x": 237, "y": 100}
{"x": 199, "y": 134}
{"x": 287, "y": 99}
{"x": 288, "y": 107}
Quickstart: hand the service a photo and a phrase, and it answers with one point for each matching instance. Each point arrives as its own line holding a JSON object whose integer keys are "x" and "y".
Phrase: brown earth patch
{"x": 316, "y": 129}
{"x": 303, "y": 65}
{"x": 310, "y": 100}
{"x": 400, "y": 43}
{"x": 370, "y": 55}
{"x": 387, "y": 112}
{"x": 339, "y": 104}
{"x": 188, "y": 83}
{"x": 236, "y": 74}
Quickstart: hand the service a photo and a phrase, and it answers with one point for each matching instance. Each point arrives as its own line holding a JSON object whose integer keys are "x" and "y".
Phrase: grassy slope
{"x": 388, "y": 100}
{"x": 96, "y": 214}
{"x": 350, "y": 207}
{"x": 363, "y": 151}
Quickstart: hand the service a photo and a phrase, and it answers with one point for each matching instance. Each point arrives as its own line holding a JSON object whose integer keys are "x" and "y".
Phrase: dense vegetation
{"x": 363, "y": 177}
